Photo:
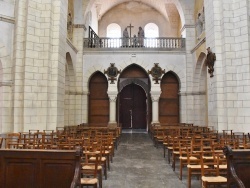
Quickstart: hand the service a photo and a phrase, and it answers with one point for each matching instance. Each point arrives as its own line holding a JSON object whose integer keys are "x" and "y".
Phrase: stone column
{"x": 84, "y": 107}
{"x": 5, "y": 107}
{"x": 155, "y": 106}
{"x": 112, "y": 109}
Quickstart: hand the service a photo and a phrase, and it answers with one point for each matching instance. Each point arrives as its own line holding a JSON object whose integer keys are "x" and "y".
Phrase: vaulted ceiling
{"x": 160, "y": 5}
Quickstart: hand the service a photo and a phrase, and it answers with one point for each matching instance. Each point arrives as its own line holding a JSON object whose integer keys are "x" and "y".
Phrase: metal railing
{"x": 163, "y": 43}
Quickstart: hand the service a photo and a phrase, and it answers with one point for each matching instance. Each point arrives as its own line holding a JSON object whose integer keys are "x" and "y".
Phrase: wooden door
{"x": 133, "y": 107}
{"x": 169, "y": 99}
{"x": 98, "y": 99}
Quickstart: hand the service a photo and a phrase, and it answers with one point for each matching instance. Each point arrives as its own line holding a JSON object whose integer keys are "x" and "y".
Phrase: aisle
{"x": 138, "y": 164}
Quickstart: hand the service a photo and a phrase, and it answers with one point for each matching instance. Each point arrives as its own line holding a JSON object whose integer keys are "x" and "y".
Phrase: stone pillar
{"x": 84, "y": 107}
{"x": 112, "y": 109}
{"x": 5, "y": 107}
{"x": 155, "y": 106}
{"x": 18, "y": 64}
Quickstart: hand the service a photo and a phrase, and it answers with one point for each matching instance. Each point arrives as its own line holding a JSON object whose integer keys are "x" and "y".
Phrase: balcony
{"x": 134, "y": 44}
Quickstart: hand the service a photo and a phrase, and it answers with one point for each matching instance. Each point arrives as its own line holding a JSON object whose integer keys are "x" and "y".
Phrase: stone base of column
{"x": 112, "y": 124}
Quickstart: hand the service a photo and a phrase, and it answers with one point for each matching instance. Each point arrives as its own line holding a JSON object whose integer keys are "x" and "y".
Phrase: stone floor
{"x": 138, "y": 164}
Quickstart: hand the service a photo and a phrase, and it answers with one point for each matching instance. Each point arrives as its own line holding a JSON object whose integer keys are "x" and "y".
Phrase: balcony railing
{"x": 158, "y": 43}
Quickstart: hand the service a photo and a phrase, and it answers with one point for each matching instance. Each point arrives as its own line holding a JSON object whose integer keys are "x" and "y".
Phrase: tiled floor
{"x": 138, "y": 164}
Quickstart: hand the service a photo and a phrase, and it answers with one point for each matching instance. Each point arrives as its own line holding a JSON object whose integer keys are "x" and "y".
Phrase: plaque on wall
{"x": 112, "y": 73}
{"x": 156, "y": 73}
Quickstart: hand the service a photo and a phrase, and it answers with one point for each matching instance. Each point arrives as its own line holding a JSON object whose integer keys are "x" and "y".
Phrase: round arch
{"x": 200, "y": 92}
{"x": 70, "y": 72}
{"x": 69, "y": 112}
{"x": 198, "y": 71}
{"x": 114, "y": 30}
{"x": 151, "y": 30}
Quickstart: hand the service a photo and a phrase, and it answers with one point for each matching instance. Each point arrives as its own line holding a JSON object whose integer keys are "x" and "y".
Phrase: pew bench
{"x": 238, "y": 167}
{"x": 26, "y": 168}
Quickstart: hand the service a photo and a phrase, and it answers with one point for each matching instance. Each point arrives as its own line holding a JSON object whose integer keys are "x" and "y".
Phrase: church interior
{"x": 128, "y": 93}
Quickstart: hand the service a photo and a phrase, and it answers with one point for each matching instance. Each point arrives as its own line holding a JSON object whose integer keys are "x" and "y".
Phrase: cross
{"x": 130, "y": 26}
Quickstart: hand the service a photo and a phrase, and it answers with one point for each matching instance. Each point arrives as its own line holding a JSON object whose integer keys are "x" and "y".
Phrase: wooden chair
{"x": 184, "y": 158}
{"x": 179, "y": 149}
{"x": 107, "y": 142}
{"x": 103, "y": 160}
{"x": 194, "y": 166}
{"x": 211, "y": 175}
{"x": 12, "y": 141}
{"x": 222, "y": 164}
{"x": 166, "y": 143}
{"x": 158, "y": 137}
{"x": 90, "y": 170}
{"x": 96, "y": 147}
{"x": 33, "y": 140}
{"x": 47, "y": 140}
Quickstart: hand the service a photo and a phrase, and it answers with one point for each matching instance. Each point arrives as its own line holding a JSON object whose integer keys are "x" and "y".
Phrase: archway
{"x": 98, "y": 99}
{"x": 69, "y": 97}
{"x": 169, "y": 99}
{"x": 200, "y": 90}
{"x": 134, "y": 103}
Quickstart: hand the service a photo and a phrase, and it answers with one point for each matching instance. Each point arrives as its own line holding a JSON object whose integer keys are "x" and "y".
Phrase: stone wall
{"x": 227, "y": 31}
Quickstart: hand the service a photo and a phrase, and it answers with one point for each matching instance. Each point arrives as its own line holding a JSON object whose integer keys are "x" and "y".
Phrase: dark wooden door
{"x": 133, "y": 107}
{"x": 98, "y": 99}
{"x": 169, "y": 99}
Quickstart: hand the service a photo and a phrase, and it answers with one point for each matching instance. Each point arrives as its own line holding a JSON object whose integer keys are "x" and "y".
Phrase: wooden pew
{"x": 238, "y": 167}
{"x": 25, "y": 168}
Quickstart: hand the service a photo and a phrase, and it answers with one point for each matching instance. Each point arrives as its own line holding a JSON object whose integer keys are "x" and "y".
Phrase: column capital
{"x": 112, "y": 98}
{"x": 155, "y": 95}
{"x": 112, "y": 95}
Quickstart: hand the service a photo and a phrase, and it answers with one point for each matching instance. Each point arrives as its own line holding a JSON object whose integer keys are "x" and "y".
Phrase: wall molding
{"x": 192, "y": 93}
{"x": 76, "y": 93}
{"x": 198, "y": 45}
{"x": 7, "y": 19}
{"x": 72, "y": 45}
{"x": 187, "y": 26}
{"x": 6, "y": 83}
{"x": 80, "y": 26}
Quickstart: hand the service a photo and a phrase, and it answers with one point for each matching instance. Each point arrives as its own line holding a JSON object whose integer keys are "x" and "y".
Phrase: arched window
{"x": 114, "y": 31}
{"x": 151, "y": 30}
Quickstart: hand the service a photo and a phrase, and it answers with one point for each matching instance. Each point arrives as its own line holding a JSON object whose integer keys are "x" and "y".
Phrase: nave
{"x": 138, "y": 164}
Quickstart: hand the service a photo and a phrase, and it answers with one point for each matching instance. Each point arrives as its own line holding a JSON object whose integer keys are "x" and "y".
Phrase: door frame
{"x": 142, "y": 82}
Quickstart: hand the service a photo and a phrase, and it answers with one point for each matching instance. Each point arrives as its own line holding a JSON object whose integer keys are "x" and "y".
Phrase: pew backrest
{"x": 25, "y": 168}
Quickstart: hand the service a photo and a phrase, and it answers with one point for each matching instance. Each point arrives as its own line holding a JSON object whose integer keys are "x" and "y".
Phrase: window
{"x": 151, "y": 32}
{"x": 114, "y": 32}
